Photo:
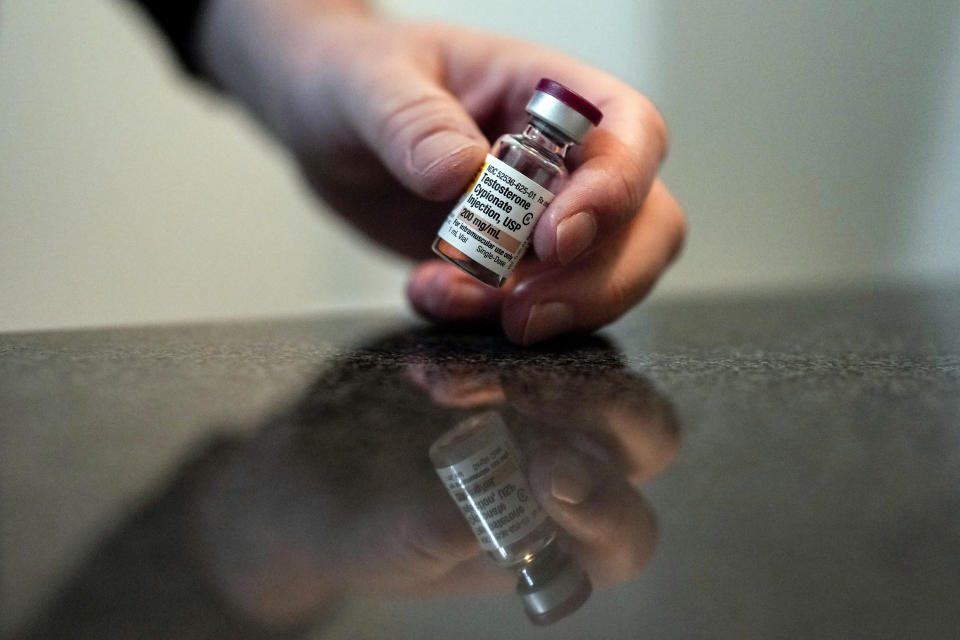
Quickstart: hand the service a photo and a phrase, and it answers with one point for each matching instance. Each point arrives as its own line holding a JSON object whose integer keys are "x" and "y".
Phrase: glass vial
{"x": 480, "y": 465}
{"x": 491, "y": 226}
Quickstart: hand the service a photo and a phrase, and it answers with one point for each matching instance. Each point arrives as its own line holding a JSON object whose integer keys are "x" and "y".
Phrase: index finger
{"x": 613, "y": 171}
{"x": 612, "y": 530}
{"x": 614, "y": 166}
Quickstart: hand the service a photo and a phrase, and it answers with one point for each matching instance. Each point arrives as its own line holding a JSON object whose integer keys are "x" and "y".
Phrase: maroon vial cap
{"x": 572, "y": 99}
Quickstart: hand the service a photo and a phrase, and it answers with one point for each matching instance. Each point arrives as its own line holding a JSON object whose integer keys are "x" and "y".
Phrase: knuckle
{"x": 633, "y": 558}
{"x": 678, "y": 229}
{"x": 414, "y": 120}
{"x": 622, "y": 290}
{"x": 629, "y": 542}
{"x": 425, "y": 552}
{"x": 417, "y": 141}
{"x": 629, "y": 192}
{"x": 680, "y": 234}
{"x": 620, "y": 297}
{"x": 430, "y": 552}
{"x": 655, "y": 127}
{"x": 626, "y": 564}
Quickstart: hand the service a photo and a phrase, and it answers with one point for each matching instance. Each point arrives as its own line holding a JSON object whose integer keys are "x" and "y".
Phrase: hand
{"x": 389, "y": 121}
{"x": 594, "y": 437}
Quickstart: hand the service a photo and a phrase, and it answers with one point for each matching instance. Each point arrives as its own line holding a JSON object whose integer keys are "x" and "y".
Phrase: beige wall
{"x": 813, "y": 143}
{"x": 127, "y": 195}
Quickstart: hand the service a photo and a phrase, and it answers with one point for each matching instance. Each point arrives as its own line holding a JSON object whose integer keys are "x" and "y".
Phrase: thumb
{"x": 419, "y": 130}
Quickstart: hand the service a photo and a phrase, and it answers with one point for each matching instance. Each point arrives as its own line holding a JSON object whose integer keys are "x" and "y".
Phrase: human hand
{"x": 594, "y": 437}
{"x": 389, "y": 121}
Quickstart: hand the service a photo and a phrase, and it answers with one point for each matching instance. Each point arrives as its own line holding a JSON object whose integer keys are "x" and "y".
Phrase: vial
{"x": 480, "y": 465}
{"x": 490, "y": 228}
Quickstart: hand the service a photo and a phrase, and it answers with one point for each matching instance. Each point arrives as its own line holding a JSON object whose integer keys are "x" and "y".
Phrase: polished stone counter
{"x": 730, "y": 468}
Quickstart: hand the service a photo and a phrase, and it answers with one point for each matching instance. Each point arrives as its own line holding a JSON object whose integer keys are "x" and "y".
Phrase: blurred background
{"x": 813, "y": 144}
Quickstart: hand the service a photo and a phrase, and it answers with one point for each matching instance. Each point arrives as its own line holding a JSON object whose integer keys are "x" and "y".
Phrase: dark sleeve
{"x": 177, "y": 20}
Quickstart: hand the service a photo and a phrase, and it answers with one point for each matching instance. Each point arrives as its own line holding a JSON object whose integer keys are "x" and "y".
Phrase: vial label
{"x": 493, "y": 221}
{"x": 492, "y": 492}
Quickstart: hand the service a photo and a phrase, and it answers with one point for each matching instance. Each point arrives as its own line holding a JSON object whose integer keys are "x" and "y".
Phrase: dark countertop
{"x": 761, "y": 467}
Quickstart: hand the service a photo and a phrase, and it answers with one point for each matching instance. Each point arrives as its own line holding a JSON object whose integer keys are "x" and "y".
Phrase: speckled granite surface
{"x": 799, "y": 455}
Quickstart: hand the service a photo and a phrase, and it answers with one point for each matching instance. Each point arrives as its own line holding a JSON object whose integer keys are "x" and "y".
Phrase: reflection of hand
{"x": 338, "y": 495}
{"x": 587, "y": 408}
{"x": 607, "y": 526}
{"x": 593, "y": 439}
{"x": 387, "y": 120}
{"x": 460, "y": 386}
{"x": 268, "y": 532}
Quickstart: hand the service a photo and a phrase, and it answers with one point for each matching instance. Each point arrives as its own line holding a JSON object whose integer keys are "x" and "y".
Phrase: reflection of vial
{"x": 480, "y": 465}
{"x": 489, "y": 230}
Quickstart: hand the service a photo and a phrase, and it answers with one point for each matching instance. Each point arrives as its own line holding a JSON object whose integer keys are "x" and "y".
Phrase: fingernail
{"x": 570, "y": 481}
{"x": 547, "y": 319}
{"x": 574, "y": 235}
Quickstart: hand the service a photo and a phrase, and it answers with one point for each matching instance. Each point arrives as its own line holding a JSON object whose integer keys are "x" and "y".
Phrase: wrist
{"x": 256, "y": 49}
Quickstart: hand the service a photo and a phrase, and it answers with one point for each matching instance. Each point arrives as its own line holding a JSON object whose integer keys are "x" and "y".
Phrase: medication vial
{"x": 489, "y": 230}
{"x": 480, "y": 465}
